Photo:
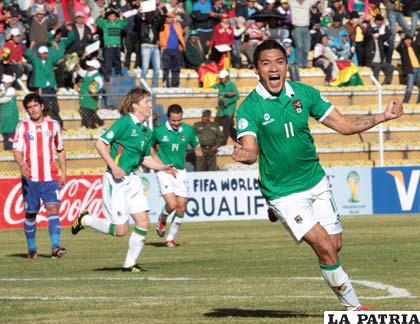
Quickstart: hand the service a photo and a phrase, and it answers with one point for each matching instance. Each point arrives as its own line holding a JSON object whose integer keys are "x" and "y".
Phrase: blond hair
{"x": 132, "y": 97}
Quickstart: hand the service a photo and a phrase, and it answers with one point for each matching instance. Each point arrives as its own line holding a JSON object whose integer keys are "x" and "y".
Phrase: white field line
{"x": 393, "y": 292}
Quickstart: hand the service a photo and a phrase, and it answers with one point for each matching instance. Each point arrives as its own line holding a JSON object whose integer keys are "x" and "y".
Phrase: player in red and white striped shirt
{"x": 37, "y": 139}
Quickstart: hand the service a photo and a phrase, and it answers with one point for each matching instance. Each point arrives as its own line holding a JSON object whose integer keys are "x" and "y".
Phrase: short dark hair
{"x": 379, "y": 17}
{"x": 32, "y": 97}
{"x": 206, "y": 113}
{"x": 265, "y": 46}
{"x": 175, "y": 109}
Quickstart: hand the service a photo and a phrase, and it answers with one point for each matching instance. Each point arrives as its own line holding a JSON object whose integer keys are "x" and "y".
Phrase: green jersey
{"x": 111, "y": 30}
{"x": 288, "y": 162}
{"x": 173, "y": 143}
{"x": 228, "y": 96}
{"x": 87, "y": 99}
{"x": 9, "y": 112}
{"x": 130, "y": 142}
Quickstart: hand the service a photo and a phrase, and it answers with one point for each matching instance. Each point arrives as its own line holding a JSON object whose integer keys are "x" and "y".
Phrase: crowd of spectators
{"x": 44, "y": 42}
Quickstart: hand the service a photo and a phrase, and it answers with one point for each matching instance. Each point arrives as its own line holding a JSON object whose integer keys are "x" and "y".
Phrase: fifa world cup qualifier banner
{"x": 215, "y": 196}
{"x": 352, "y": 189}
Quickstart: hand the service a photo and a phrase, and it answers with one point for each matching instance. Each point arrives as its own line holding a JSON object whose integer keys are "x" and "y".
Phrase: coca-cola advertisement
{"x": 78, "y": 193}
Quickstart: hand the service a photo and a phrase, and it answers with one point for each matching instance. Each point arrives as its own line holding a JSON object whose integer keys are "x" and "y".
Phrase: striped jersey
{"x": 39, "y": 143}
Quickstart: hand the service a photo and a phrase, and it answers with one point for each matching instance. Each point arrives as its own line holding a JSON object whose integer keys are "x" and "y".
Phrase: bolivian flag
{"x": 208, "y": 74}
{"x": 348, "y": 75}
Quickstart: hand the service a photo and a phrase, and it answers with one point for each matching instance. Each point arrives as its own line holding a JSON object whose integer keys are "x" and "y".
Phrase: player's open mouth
{"x": 274, "y": 81}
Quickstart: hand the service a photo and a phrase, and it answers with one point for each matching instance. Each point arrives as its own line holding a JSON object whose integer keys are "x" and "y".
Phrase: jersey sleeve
{"x": 58, "y": 137}
{"x": 321, "y": 107}
{"x": 246, "y": 121}
{"x": 114, "y": 132}
{"x": 18, "y": 141}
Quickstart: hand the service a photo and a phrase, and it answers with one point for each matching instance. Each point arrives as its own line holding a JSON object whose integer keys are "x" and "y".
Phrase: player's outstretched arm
{"x": 151, "y": 163}
{"x": 246, "y": 151}
{"x": 348, "y": 125}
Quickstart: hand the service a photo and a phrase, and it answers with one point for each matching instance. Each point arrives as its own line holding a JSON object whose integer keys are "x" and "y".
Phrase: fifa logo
{"x": 353, "y": 180}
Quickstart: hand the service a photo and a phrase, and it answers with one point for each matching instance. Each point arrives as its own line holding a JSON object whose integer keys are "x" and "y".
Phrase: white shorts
{"x": 124, "y": 198}
{"x": 177, "y": 185}
{"x": 299, "y": 212}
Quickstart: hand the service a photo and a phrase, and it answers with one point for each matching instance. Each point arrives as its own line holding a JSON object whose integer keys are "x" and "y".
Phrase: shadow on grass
{"x": 156, "y": 244}
{"x": 25, "y": 256}
{"x": 115, "y": 269}
{"x": 235, "y": 312}
{"x": 109, "y": 269}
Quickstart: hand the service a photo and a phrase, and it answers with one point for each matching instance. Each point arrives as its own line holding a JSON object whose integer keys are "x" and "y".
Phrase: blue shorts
{"x": 35, "y": 191}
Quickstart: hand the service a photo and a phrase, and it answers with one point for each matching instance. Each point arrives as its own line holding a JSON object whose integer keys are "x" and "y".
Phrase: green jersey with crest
{"x": 173, "y": 143}
{"x": 130, "y": 142}
{"x": 288, "y": 162}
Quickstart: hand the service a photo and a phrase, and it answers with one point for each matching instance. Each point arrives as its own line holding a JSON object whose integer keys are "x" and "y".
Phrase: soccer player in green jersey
{"x": 124, "y": 146}
{"x": 171, "y": 141}
{"x": 272, "y": 125}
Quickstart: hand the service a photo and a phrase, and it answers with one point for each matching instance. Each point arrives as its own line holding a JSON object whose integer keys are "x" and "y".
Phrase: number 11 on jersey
{"x": 288, "y": 127}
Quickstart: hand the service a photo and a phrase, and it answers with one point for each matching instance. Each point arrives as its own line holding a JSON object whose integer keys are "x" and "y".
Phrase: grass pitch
{"x": 223, "y": 272}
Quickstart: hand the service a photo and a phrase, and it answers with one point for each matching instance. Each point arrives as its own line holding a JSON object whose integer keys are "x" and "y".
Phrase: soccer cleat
{"x": 135, "y": 268}
{"x": 161, "y": 228}
{"x": 271, "y": 216}
{"x": 171, "y": 244}
{"x": 77, "y": 226}
{"x": 361, "y": 308}
{"x": 32, "y": 255}
{"x": 58, "y": 253}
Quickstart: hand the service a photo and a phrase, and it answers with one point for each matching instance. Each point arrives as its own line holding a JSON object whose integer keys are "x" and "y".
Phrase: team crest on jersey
{"x": 48, "y": 133}
{"x": 298, "y": 219}
{"x": 110, "y": 135}
{"x": 182, "y": 137}
{"x": 297, "y": 106}
{"x": 165, "y": 138}
{"x": 242, "y": 124}
{"x": 30, "y": 136}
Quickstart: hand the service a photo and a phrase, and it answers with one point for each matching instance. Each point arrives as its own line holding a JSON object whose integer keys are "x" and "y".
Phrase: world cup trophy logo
{"x": 353, "y": 179}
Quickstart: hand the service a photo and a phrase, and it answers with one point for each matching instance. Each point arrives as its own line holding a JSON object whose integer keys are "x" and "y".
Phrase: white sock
{"x": 135, "y": 245}
{"x": 174, "y": 227}
{"x": 164, "y": 214}
{"x": 100, "y": 224}
{"x": 340, "y": 284}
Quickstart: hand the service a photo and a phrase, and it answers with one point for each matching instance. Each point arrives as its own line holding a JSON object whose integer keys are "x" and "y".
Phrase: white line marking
{"x": 107, "y": 278}
{"x": 232, "y": 297}
{"x": 394, "y": 292}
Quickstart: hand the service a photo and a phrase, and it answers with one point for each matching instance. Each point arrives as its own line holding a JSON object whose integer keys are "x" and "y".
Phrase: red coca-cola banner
{"x": 80, "y": 192}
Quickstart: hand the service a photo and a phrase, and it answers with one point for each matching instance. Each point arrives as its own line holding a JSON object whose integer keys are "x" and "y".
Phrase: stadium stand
{"x": 401, "y": 146}
{"x": 400, "y": 137}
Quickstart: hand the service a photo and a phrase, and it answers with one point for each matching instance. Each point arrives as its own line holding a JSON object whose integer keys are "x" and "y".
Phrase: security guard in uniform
{"x": 211, "y": 137}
